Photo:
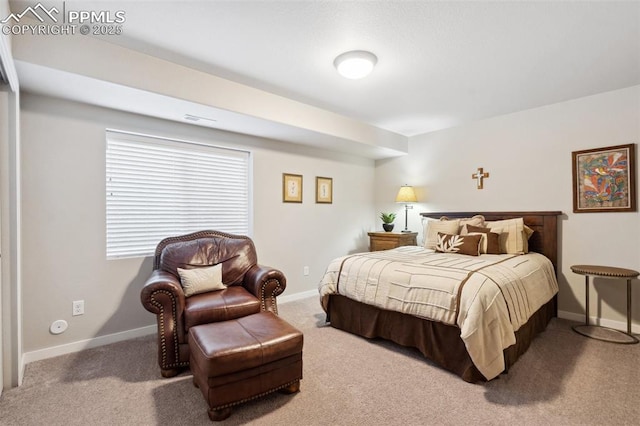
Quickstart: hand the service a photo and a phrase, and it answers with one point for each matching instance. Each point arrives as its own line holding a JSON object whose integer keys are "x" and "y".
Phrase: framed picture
{"x": 291, "y": 188}
{"x": 604, "y": 179}
{"x": 324, "y": 190}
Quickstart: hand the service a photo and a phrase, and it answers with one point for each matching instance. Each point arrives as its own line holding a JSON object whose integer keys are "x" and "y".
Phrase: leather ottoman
{"x": 241, "y": 359}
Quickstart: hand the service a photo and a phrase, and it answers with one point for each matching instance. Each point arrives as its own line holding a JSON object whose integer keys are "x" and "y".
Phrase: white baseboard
{"x": 124, "y": 335}
{"x": 87, "y": 344}
{"x": 572, "y": 316}
{"x": 298, "y": 296}
{"x": 616, "y": 325}
{"x": 54, "y": 351}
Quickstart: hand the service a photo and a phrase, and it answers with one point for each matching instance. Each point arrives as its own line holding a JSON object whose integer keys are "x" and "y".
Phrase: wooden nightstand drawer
{"x": 388, "y": 240}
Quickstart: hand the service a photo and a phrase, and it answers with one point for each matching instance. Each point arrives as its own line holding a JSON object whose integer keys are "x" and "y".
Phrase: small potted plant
{"x": 387, "y": 221}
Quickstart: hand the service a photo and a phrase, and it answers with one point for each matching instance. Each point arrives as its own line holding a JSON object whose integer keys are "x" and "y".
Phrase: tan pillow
{"x": 477, "y": 220}
{"x": 511, "y": 234}
{"x": 528, "y": 232}
{"x": 467, "y": 244}
{"x": 490, "y": 244}
{"x": 201, "y": 280}
{"x": 434, "y": 226}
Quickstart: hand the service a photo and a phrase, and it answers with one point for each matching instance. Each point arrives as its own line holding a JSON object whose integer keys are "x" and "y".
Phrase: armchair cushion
{"x": 214, "y": 306}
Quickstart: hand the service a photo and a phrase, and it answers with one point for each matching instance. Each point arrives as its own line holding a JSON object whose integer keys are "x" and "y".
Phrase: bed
{"x": 353, "y": 303}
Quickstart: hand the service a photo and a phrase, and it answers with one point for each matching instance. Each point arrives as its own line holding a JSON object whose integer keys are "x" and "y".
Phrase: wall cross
{"x": 479, "y": 176}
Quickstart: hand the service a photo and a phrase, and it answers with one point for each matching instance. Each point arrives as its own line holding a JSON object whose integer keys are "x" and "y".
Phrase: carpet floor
{"x": 563, "y": 379}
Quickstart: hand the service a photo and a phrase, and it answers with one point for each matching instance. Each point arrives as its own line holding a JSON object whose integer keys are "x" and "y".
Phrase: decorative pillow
{"x": 201, "y": 280}
{"x": 450, "y": 227}
{"x": 528, "y": 232}
{"x": 511, "y": 234}
{"x": 490, "y": 244}
{"x": 477, "y": 220}
{"x": 464, "y": 229}
{"x": 461, "y": 244}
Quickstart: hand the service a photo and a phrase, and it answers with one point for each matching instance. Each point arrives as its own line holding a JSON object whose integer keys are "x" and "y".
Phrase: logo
{"x": 69, "y": 22}
{"x": 34, "y": 12}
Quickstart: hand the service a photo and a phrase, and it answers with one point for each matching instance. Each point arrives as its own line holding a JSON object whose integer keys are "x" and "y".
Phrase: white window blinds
{"x": 158, "y": 188}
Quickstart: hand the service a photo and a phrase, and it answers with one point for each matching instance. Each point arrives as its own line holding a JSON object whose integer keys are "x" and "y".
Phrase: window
{"x": 158, "y": 188}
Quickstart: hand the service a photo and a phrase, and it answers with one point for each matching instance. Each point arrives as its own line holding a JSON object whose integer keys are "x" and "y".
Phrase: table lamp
{"x": 406, "y": 195}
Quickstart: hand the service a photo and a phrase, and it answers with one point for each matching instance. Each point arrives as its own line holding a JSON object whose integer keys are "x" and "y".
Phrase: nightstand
{"x": 388, "y": 240}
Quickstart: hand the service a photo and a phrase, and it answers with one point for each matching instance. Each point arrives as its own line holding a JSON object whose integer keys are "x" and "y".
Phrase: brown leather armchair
{"x": 251, "y": 288}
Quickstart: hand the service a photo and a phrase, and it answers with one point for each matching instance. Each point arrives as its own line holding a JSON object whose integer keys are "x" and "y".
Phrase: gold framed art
{"x": 324, "y": 190}
{"x": 604, "y": 179}
{"x": 291, "y": 188}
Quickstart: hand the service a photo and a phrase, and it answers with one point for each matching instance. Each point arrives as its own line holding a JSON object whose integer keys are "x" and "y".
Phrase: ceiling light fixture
{"x": 355, "y": 64}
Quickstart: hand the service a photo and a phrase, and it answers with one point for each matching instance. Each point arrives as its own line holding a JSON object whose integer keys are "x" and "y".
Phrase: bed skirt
{"x": 438, "y": 342}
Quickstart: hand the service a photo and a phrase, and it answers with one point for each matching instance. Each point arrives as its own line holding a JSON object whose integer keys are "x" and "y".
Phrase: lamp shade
{"x": 406, "y": 195}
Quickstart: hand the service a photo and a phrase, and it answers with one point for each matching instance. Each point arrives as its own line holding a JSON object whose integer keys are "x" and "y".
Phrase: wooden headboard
{"x": 545, "y": 224}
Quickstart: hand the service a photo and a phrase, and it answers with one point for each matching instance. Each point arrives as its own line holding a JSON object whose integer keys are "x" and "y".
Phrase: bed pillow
{"x": 512, "y": 235}
{"x": 432, "y": 227}
{"x": 477, "y": 220}
{"x": 461, "y": 244}
{"x": 528, "y": 232}
{"x": 201, "y": 280}
{"x": 490, "y": 243}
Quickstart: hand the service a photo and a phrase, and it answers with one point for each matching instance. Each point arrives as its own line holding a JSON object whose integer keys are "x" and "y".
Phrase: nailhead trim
{"x": 273, "y": 295}
{"x": 231, "y": 404}
{"x": 163, "y": 342}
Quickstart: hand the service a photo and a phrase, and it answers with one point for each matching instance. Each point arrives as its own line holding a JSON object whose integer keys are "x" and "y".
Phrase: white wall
{"x": 10, "y": 243}
{"x": 528, "y": 156}
{"x": 10, "y": 327}
{"x": 64, "y": 217}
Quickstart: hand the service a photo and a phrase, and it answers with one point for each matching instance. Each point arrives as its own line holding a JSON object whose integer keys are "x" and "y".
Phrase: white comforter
{"x": 489, "y": 296}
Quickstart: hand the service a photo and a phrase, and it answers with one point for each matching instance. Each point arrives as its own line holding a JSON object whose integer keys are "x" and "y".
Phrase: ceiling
{"x": 440, "y": 64}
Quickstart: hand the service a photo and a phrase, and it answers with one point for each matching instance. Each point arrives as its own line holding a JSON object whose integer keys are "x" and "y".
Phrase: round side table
{"x": 606, "y": 272}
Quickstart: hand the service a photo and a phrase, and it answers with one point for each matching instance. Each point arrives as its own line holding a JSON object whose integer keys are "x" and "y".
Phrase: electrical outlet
{"x": 305, "y": 270}
{"x": 78, "y": 307}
